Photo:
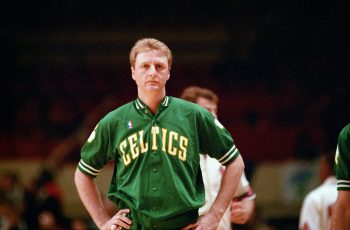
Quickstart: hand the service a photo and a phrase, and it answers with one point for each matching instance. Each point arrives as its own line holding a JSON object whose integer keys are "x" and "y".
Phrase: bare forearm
{"x": 341, "y": 216}
{"x": 91, "y": 198}
{"x": 228, "y": 187}
{"x": 340, "y": 220}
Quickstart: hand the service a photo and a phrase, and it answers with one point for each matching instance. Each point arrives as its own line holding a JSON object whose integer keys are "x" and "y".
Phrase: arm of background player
{"x": 341, "y": 215}
{"x": 243, "y": 205}
{"x": 229, "y": 184}
{"x": 242, "y": 210}
{"x": 91, "y": 198}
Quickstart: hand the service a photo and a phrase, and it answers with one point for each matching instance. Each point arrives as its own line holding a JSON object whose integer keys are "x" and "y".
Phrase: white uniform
{"x": 212, "y": 172}
{"x": 317, "y": 206}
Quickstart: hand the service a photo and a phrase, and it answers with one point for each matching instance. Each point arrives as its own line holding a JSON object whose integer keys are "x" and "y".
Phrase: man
{"x": 341, "y": 216}
{"x": 242, "y": 206}
{"x": 317, "y": 206}
{"x": 155, "y": 143}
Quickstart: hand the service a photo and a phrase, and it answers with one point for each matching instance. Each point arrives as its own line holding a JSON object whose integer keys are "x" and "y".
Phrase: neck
{"x": 152, "y": 99}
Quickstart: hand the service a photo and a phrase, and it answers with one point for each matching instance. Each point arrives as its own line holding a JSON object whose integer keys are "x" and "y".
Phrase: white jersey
{"x": 212, "y": 172}
{"x": 317, "y": 206}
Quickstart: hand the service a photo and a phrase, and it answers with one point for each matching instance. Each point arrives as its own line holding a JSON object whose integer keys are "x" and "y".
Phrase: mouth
{"x": 152, "y": 82}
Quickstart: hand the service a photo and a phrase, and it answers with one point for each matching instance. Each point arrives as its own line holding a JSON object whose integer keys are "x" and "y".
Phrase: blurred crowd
{"x": 37, "y": 206}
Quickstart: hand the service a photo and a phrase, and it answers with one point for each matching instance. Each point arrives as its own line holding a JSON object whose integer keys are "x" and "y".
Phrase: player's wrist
{"x": 217, "y": 212}
{"x": 104, "y": 226}
{"x": 102, "y": 223}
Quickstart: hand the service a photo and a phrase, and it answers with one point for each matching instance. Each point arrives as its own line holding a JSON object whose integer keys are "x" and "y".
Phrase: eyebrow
{"x": 156, "y": 62}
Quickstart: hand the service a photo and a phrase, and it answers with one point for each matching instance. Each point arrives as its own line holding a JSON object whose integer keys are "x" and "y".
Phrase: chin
{"x": 153, "y": 88}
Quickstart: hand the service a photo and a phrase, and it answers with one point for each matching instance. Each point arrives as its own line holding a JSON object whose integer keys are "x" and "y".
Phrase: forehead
{"x": 206, "y": 103}
{"x": 151, "y": 56}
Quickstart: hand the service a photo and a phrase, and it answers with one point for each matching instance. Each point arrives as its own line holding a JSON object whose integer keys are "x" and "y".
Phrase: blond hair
{"x": 146, "y": 44}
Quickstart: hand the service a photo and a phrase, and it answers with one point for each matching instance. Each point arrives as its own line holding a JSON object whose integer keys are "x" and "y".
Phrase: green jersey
{"x": 157, "y": 171}
{"x": 342, "y": 159}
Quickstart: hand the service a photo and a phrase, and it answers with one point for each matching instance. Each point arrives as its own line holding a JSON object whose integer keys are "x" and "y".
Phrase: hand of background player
{"x": 241, "y": 211}
{"x": 118, "y": 221}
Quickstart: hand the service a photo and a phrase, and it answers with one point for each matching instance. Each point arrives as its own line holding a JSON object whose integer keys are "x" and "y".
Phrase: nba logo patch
{"x": 129, "y": 124}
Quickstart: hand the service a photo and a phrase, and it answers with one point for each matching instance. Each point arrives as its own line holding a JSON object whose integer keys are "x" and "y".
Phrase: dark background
{"x": 280, "y": 67}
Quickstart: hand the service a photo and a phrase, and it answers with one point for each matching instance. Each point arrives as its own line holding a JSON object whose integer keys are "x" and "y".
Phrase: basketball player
{"x": 242, "y": 206}
{"x": 155, "y": 143}
{"x": 317, "y": 208}
{"x": 341, "y": 216}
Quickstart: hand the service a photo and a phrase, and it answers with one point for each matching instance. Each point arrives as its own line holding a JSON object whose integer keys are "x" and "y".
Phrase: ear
{"x": 132, "y": 72}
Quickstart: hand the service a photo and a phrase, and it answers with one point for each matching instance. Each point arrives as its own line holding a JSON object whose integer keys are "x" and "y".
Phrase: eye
{"x": 144, "y": 66}
{"x": 160, "y": 66}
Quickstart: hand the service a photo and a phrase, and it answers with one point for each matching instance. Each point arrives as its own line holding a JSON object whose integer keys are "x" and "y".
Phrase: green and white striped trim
{"x": 165, "y": 101}
{"x": 232, "y": 153}
{"x": 343, "y": 185}
{"x": 88, "y": 169}
{"x": 139, "y": 105}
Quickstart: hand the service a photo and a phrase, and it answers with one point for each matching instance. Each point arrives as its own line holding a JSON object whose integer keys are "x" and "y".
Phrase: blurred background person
{"x": 48, "y": 220}
{"x": 44, "y": 201}
{"x": 79, "y": 224}
{"x": 242, "y": 206}
{"x": 12, "y": 194}
{"x": 318, "y": 205}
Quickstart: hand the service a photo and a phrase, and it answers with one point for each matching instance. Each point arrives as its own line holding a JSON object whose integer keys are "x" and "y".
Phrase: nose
{"x": 152, "y": 69}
